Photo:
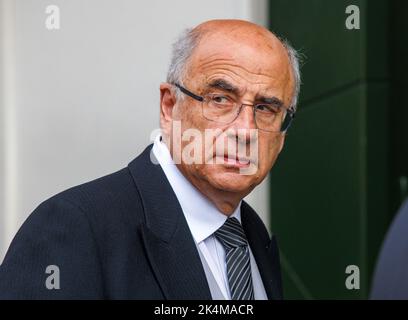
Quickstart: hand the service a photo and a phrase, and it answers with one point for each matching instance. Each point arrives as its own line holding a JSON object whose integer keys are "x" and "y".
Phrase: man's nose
{"x": 244, "y": 125}
{"x": 245, "y": 119}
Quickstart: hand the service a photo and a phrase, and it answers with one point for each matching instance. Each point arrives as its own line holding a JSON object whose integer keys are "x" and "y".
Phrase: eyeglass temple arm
{"x": 189, "y": 93}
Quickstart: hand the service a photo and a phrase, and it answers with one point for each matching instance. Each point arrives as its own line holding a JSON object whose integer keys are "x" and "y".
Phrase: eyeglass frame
{"x": 290, "y": 112}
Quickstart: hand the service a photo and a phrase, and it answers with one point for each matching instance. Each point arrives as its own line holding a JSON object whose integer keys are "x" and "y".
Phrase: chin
{"x": 232, "y": 181}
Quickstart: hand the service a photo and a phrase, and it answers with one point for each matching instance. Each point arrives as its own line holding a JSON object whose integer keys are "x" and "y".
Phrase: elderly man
{"x": 173, "y": 225}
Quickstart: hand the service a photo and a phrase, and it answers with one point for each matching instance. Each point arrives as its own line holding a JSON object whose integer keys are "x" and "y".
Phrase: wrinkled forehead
{"x": 251, "y": 57}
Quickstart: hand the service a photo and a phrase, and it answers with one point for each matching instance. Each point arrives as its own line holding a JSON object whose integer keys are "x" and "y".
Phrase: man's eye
{"x": 267, "y": 108}
{"x": 221, "y": 99}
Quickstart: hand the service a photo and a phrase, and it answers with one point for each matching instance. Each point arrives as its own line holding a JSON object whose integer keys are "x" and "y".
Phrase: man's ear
{"x": 167, "y": 102}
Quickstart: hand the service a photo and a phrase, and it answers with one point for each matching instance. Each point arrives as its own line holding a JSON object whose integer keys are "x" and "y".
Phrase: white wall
{"x": 80, "y": 102}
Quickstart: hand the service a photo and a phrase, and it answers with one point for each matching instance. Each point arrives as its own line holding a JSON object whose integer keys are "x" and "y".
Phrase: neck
{"x": 226, "y": 202}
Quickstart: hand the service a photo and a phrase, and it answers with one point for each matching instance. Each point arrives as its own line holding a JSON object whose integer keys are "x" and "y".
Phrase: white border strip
{"x": 8, "y": 10}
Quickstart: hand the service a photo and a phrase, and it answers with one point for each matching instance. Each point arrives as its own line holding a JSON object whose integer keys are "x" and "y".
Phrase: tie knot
{"x": 231, "y": 234}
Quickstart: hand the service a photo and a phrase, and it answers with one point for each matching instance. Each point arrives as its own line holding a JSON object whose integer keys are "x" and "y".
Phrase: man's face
{"x": 249, "y": 71}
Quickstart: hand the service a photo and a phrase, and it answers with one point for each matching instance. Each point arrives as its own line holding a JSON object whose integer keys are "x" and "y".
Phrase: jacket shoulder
{"x": 57, "y": 243}
{"x": 72, "y": 230}
{"x": 114, "y": 188}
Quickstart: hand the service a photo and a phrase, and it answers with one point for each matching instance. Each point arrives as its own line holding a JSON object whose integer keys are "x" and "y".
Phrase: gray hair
{"x": 188, "y": 40}
{"x": 295, "y": 60}
{"x": 183, "y": 48}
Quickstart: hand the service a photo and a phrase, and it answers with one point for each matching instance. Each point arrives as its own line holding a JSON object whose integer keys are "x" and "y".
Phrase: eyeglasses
{"x": 221, "y": 108}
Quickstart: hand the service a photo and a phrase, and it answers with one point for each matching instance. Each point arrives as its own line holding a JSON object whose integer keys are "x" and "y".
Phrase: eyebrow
{"x": 224, "y": 85}
{"x": 229, "y": 87}
{"x": 271, "y": 100}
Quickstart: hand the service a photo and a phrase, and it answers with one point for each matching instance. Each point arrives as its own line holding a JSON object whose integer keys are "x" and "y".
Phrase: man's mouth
{"x": 237, "y": 162}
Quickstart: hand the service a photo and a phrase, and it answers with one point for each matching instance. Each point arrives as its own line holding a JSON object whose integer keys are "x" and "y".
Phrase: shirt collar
{"x": 203, "y": 217}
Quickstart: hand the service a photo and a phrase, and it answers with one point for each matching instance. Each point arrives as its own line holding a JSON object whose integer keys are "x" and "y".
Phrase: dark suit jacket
{"x": 123, "y": 236}
{"x": 391, "y": 275}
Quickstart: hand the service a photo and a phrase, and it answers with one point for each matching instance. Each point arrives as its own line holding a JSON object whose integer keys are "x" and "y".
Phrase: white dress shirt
{"x": 203, "y": 219}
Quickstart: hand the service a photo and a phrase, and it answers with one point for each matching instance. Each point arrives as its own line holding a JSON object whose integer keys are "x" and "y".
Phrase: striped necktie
{"x": 232, "y": 237}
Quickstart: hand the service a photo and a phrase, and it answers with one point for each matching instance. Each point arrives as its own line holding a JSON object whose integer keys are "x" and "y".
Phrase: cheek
{"x": 269, "y": 149}
{"x": 190, "y": 119}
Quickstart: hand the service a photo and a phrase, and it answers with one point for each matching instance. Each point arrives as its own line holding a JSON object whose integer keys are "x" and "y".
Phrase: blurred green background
{"x": 343, "y": 172}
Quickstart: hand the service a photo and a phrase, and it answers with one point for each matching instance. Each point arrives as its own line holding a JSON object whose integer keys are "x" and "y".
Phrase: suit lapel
{"x": 166, "y": 236}
{"x": 265, "y": 251}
